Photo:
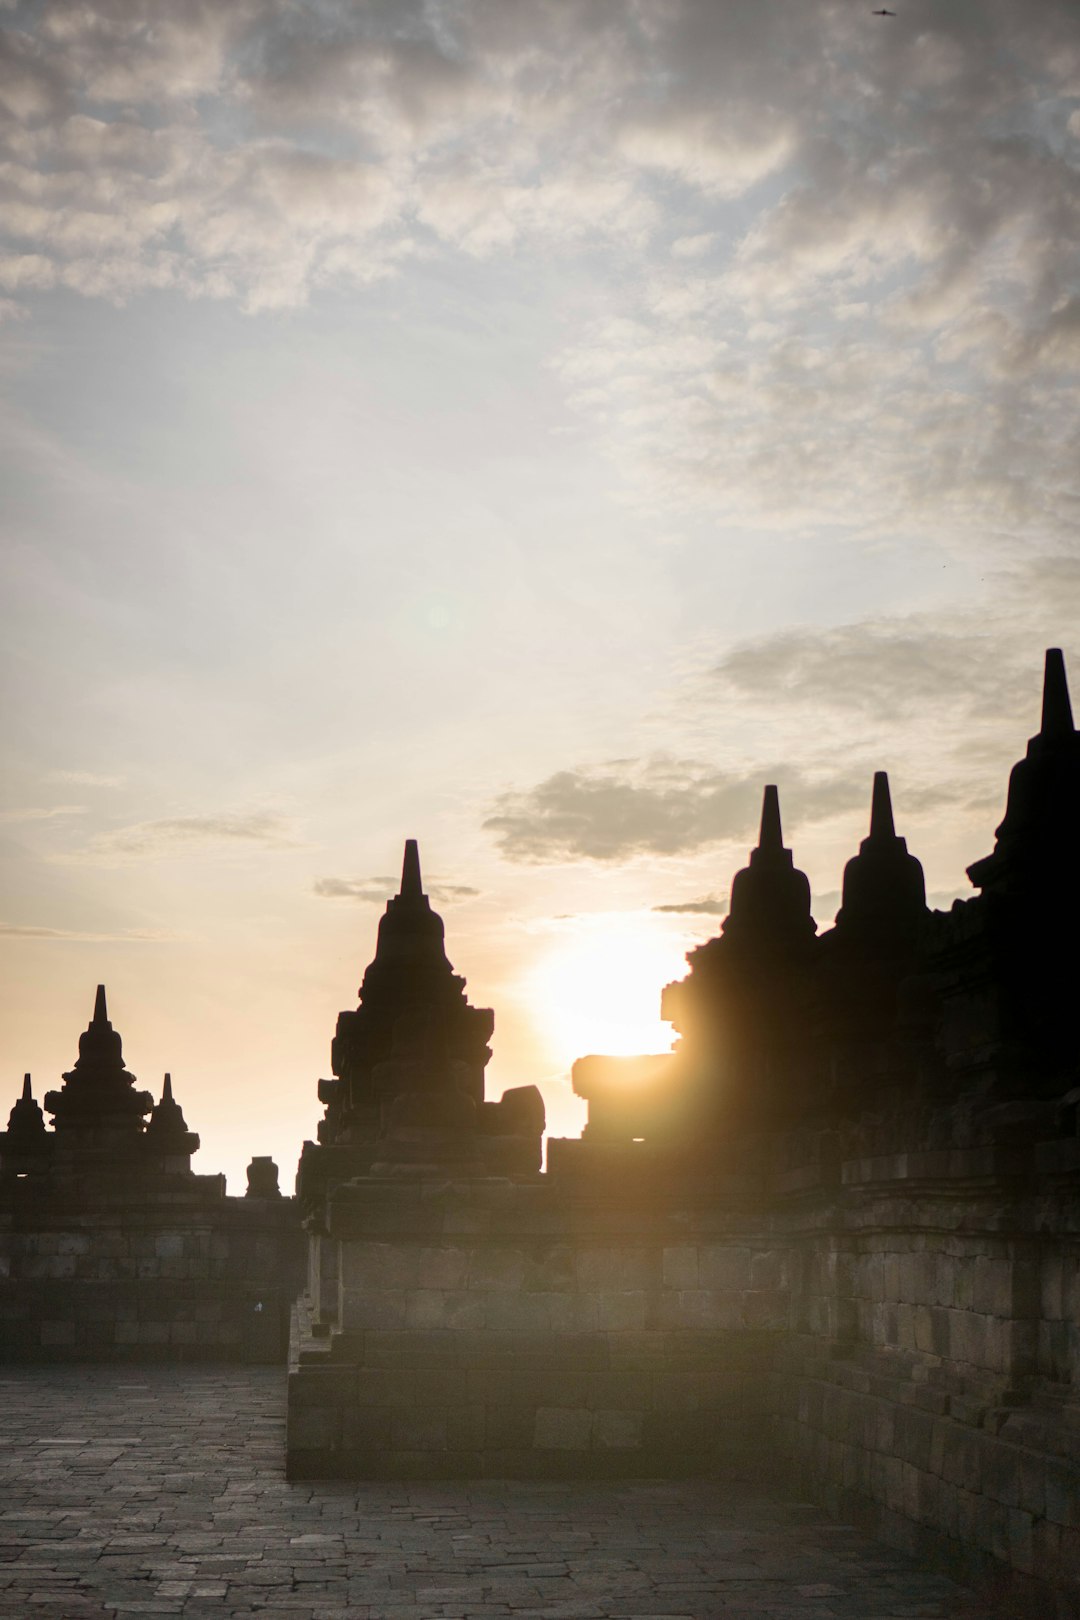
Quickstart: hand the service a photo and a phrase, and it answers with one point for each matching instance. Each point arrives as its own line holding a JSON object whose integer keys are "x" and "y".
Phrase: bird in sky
{"x": 884, "y": 13}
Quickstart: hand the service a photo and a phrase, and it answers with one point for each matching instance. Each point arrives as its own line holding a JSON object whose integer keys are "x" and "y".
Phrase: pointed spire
{"x": 101, "y": 1013}
{"x": 1057, "y": 718}
{"x": 883, "y": 901}
{"x": 26, "y": 1125}
{"x": 166, "y": 1129}
{"x": 881, "y": 814}
{"x": 771, "y": 837}
{"x": 770, "y": 898}
{"x": 411, "y": 887}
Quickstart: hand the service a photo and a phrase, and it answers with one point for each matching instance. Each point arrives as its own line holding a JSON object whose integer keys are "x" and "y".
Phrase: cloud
{"x": 853, "y": 297}
{"x": 187, "y": 835}
{"x": 137, "y": 936}
{"x": 86, "y": 779}
{"x": 377, "y": 890}
{"x": 658, "y": 806}
{"x": 970, "y": 665}
{"x": 708, "y": 907}
{"x": 40, "y": 813}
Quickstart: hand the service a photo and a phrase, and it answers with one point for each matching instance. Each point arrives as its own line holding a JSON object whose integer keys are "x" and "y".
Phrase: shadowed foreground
{"x": 146, "y": 1490}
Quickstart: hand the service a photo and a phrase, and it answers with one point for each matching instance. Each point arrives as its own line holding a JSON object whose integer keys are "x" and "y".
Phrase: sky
{"x": 528, "y": 426}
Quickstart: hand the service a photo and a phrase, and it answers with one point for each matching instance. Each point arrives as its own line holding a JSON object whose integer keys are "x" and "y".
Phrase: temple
{"x": 113, "y": 1248}
{"x": 830, "y": 1239}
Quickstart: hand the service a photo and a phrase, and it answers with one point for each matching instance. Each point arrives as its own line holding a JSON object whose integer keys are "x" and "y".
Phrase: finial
{"x": 771, "y": 837}
{"x": 881, "y": 816}
{"x": 411, "y": 887}
{"x": 1057, "y": 719}
{"x": 166, "y": 1095}
{"x": 101, "y": 1013}
{"x": 27, "y": 1094}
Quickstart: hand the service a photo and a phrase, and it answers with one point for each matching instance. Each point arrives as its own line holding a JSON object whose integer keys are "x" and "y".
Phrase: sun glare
{"x": 597, "y": 985}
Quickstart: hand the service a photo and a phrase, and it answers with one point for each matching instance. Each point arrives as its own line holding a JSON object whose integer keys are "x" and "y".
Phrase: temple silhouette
{"x": 833, "y": 1237}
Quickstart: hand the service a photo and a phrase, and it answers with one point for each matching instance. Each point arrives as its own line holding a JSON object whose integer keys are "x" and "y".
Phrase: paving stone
{"x": 168, "y": 1497}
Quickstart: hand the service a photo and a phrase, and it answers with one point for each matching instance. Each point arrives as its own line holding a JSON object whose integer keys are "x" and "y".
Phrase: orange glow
{"x": 599, "y": 983}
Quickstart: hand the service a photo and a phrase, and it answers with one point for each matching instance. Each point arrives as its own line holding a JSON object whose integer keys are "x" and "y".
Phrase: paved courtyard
{"x": 160, "y": 1491}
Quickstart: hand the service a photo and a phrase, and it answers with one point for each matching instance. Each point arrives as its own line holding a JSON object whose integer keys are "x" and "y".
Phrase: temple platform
{"x": 161, "y": 1491}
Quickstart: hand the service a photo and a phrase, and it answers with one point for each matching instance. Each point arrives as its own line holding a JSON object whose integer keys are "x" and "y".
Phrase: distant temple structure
{"x": 112, "y": 1248}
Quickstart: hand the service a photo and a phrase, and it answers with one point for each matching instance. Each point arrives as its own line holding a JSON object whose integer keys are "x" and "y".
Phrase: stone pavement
{"x": 160, "y": 1491}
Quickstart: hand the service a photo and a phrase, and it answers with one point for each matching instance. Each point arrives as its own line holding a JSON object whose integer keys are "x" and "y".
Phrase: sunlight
{"x": 598, "y": 984}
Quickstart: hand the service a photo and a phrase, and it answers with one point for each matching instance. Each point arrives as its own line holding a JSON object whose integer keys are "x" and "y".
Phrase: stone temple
{"x": 832, "y": 1238}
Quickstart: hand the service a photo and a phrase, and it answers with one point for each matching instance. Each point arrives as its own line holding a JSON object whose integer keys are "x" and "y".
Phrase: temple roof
{"x": 1037, "y": 849}
{"x": 884, "y": 893}
{"x": 99, "y": 1089}
{"x": 770, "y": 897}
{"x": 26, "y": 1123}
{"x": 166, "y": 1129}
{"x": 410, "y": 943}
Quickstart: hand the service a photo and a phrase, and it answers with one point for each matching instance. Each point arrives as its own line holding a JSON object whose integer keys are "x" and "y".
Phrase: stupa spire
{"x": 884, "y": 891}
{"x": 771, "y": 837}
{"x": 166, "y": 1129}
{"x": 99, "y": 1090}
{"x": 770, "y": 897}
{"x": 1057, "y": 717}
{"x": 411, "y": 886}
{"x": 882, "y": 824}
{"x": 26, "y": 1125}
{"x": 1036, "y": 849}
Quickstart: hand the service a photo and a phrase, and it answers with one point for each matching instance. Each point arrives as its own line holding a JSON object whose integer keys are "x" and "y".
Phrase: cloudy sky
{"x": 525, "y": 425}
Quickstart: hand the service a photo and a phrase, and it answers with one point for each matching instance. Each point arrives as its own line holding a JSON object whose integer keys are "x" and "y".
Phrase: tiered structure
{"x": 111, "y": 1247}
{"x": 896, "y": 1023}
{"x": 409, "y": 1063}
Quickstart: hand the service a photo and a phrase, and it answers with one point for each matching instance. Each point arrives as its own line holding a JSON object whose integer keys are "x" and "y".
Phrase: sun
{"x": 596, "y": 985}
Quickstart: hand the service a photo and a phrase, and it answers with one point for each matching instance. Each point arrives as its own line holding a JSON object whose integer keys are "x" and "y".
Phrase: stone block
{"x": 496, "y": 1268}
{"x": 679, "y": 1266}
{"x": 550, "y": 1270}
{"x": 723, "y": 1266}
{"x": 1062, "y": 1486}
{"x": 572, "y": 1313}
{"x": 378, "y": 1267}
{"x": 620, "y": 1312}
{"x": 766, "y": 1310}
{"x": 73, "y": 1243}
{"x": 445, "y": 1268}
{"x": 57, "y": 1333}
{"x": 562, "y": 1428}
{"x": 516, "y": 1311}
{"x": 313, "y": 1428}
{"x": 961, "y": 1457}
{"x": 418, "y": 1429}
{"x": 617, "y": 1269}
{"x": 466, "y": 1427}
{"x": 617, "y": 1430}
{"x": 365, "y": 1428}
{"x": 382, "y": 1310}
{"x": 507, "y": 1427}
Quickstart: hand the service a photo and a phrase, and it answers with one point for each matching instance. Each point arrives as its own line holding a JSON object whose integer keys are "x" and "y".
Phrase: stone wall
{"x": 501, "y": 1330}
{"x": 944, "y": 1412}
{"x": 900, "y": 1335}
{"x": 124, "y": 1277}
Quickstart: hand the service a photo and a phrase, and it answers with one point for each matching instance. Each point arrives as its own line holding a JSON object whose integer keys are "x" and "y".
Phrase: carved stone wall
{"x": 491, "y": 1329}
{"x": 124, "y": 1277}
